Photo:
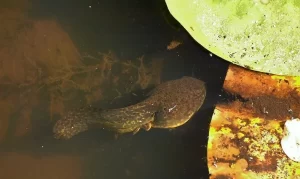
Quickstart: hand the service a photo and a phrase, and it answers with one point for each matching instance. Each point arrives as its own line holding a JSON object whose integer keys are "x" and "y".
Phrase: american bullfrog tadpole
{"x": 169, "y": 105}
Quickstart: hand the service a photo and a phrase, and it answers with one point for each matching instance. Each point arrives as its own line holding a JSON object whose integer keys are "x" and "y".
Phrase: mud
{"x": 271, "y": 107}
{"x": 262, "y": 95}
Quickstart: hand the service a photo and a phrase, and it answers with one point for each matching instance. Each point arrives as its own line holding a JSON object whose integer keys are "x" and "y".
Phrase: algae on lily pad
{"x": 262, "y": 35}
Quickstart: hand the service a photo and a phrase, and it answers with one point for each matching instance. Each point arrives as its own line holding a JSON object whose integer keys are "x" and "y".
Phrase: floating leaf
{"x": 262, "y": 35}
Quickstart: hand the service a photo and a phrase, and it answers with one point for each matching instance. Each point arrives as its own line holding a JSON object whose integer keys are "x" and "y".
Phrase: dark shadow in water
{"x": 131, "y": 29}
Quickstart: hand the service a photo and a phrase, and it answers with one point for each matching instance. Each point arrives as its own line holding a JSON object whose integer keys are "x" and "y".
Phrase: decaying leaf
{"x": 173, "y": 44}
{"x": 244, "y": 137}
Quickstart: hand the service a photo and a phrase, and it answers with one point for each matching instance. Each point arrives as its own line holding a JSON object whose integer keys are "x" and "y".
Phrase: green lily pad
{"x": 263, "y": 35}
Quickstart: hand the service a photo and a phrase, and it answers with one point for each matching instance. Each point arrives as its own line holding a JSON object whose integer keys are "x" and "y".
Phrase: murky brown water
{"x": 52, "y": 63}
